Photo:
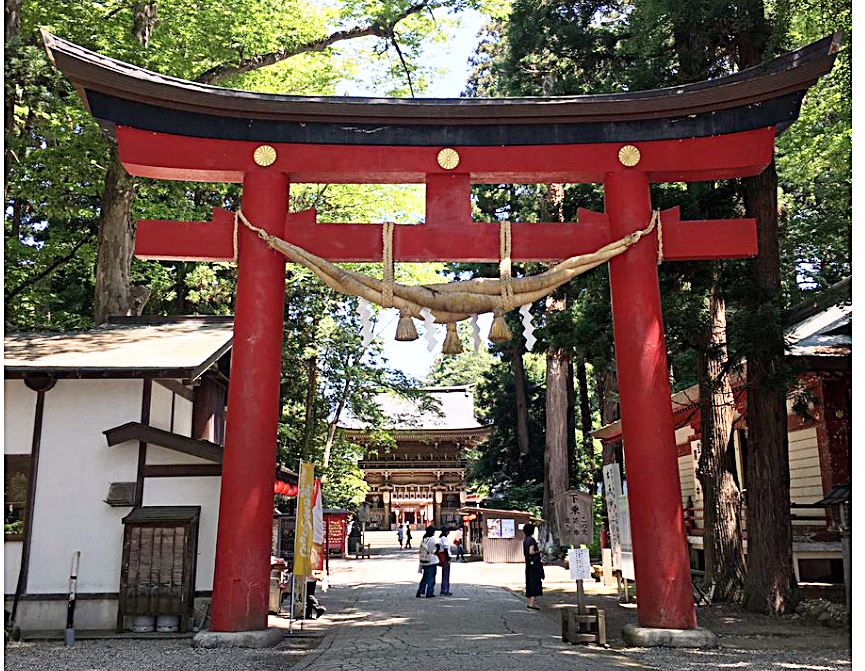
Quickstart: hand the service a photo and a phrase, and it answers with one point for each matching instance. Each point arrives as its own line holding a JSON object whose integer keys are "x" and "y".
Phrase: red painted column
{"x": 661, "y": 565}
{"x": 242, "y": 572}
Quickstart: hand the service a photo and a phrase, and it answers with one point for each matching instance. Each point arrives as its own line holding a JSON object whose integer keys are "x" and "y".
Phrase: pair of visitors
{"x": 399, "y": 535}
{"x": 534, "y": 567}
{"x": 444, "y": 557}
{"x": 428, "y": 563}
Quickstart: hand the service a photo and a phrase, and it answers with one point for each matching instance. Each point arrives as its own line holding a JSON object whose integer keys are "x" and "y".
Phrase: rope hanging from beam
{"x": 455, "y": 301}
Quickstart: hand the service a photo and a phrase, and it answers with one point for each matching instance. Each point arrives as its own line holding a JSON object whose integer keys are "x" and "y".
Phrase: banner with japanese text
{"x": 304, "y": 531}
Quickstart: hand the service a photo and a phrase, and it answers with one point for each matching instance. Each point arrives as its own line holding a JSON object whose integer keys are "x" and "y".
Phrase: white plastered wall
{"x": 76, "y": 465}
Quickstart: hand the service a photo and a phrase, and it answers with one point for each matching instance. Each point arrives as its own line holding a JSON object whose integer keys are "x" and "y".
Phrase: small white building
{"x": 113, "y": 447}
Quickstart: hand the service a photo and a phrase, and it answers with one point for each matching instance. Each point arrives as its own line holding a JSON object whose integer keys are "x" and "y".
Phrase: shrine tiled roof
{"x": 453, "y": 411}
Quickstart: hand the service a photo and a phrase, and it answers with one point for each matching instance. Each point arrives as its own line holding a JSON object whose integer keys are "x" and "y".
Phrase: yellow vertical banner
{"x": 303, "y": 536}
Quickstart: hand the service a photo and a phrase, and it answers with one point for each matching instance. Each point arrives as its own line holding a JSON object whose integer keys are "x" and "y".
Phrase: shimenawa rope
{"x": 455, "y": 301}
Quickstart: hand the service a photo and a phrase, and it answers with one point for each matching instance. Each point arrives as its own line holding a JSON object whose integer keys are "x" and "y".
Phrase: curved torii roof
{"x": 117, "y": 93}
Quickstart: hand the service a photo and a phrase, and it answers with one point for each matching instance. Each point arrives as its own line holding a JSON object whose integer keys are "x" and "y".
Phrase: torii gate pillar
{"x": 661, "y": 564}
{"x": 242, "y": 575}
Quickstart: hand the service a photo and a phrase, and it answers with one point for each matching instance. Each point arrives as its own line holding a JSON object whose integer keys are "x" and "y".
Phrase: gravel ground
{"x": 132, "y": 655}
{"x": 738, "y": 658}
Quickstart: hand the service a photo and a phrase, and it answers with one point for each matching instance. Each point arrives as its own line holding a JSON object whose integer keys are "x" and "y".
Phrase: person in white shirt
{"x": 428, "y": 564}
{"x": 444, "y": 557}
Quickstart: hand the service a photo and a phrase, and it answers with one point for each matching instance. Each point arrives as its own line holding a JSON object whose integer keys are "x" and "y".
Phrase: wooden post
{"x": 581, "y": 598}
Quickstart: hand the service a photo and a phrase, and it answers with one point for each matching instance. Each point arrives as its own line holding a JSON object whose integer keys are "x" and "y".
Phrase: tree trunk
{"x": 556, "y": 452}
{"x": 331, "y": 428}
{"x": 116, "y": 242}
{"x": 522, "y": 409}
{"x": 573, "y": 465}
{"x": 12, "y": 18}
{"x": 309, "y": 417}
{"x": 722, "y": 534}
{"x": 770, "y": 586}
{"x": 606, "y": 387}
{"x": 588, "y": 443}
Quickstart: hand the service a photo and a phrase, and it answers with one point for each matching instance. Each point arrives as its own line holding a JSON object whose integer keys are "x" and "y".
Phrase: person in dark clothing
{"x": 408, "y": 536}
{"x": 534, "y": 568}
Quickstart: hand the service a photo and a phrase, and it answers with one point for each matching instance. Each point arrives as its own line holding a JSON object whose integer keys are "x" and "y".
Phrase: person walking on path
{"x": 407, "y": 536}
{"x": 444, "y": 557}
{"x": 534, "y": 568}
{"x": 428, "y": 559}
{"x": 458, "y": 545}
{"x": 461, "y": 552}
{"x": 399, "y": 532}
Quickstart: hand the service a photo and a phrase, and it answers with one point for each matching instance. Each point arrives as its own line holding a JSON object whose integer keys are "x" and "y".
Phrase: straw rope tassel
{"x": 452, "y": 344}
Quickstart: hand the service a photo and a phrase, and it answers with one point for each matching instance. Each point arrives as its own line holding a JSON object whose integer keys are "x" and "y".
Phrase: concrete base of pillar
{"x": 262, "y": 638}
{"x": 651, "y": 637}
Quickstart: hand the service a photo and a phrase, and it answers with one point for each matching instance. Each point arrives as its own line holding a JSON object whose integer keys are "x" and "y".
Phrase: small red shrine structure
{"x": 168, "y": 128}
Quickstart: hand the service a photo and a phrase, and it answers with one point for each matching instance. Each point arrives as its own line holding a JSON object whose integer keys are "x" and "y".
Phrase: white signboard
{"x": 494, "y": 528}
{"x": 508, "y": 529}
{"x": 578, "y": 562}
{"x": 619, "y": 518}
{"x": 575, "y": 518}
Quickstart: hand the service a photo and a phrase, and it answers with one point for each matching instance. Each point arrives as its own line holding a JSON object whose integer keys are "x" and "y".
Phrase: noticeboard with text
{"x": 575, "y": 518}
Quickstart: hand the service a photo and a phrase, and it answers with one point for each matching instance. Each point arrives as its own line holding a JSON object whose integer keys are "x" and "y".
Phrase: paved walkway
{"x": 376, "y": 623}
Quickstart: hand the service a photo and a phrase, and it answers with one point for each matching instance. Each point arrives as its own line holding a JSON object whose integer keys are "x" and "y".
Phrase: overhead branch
{"x": 225, "y": 71}
{"x": 54, "y": 265}
{"x": 404, "y": 64}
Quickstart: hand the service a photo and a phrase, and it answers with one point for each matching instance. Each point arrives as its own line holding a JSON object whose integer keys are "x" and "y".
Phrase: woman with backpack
{"x": 428, "y": 564}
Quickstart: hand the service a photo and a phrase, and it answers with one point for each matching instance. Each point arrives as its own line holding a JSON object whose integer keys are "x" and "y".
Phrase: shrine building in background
{"x": 422, "y": 479}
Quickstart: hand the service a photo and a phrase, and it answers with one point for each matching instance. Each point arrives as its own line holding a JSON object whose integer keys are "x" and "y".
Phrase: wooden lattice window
{"x": 16, "y": 493}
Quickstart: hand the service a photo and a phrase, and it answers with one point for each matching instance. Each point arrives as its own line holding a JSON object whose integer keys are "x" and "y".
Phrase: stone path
{"x": 377, "y": 624}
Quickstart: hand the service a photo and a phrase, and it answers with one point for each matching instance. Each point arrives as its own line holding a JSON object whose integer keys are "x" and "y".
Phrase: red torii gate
{"x": 171, "y": 129}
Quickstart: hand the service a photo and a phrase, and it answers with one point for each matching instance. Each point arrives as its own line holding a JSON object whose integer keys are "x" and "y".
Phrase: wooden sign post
{"x": 587, "y": 624}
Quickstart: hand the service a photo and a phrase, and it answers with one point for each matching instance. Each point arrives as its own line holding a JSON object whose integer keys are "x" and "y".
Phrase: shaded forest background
{"x": 70, "y": 209}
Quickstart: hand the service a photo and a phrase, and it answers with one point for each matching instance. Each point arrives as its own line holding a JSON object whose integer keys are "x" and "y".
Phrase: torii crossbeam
{"x": 171, "y": 129}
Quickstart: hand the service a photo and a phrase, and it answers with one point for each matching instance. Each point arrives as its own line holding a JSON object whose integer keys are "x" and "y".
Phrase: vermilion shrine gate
{"x": 173, "y": 129}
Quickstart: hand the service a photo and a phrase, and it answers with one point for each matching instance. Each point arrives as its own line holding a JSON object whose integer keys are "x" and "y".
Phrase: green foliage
{"x": 461, "y": 369}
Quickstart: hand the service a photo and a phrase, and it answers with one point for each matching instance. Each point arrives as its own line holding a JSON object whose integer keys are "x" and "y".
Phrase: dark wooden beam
{"x": 172, "y": 441}
{"x": 182, "y": 470}
{"x": 174, "y": 386}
